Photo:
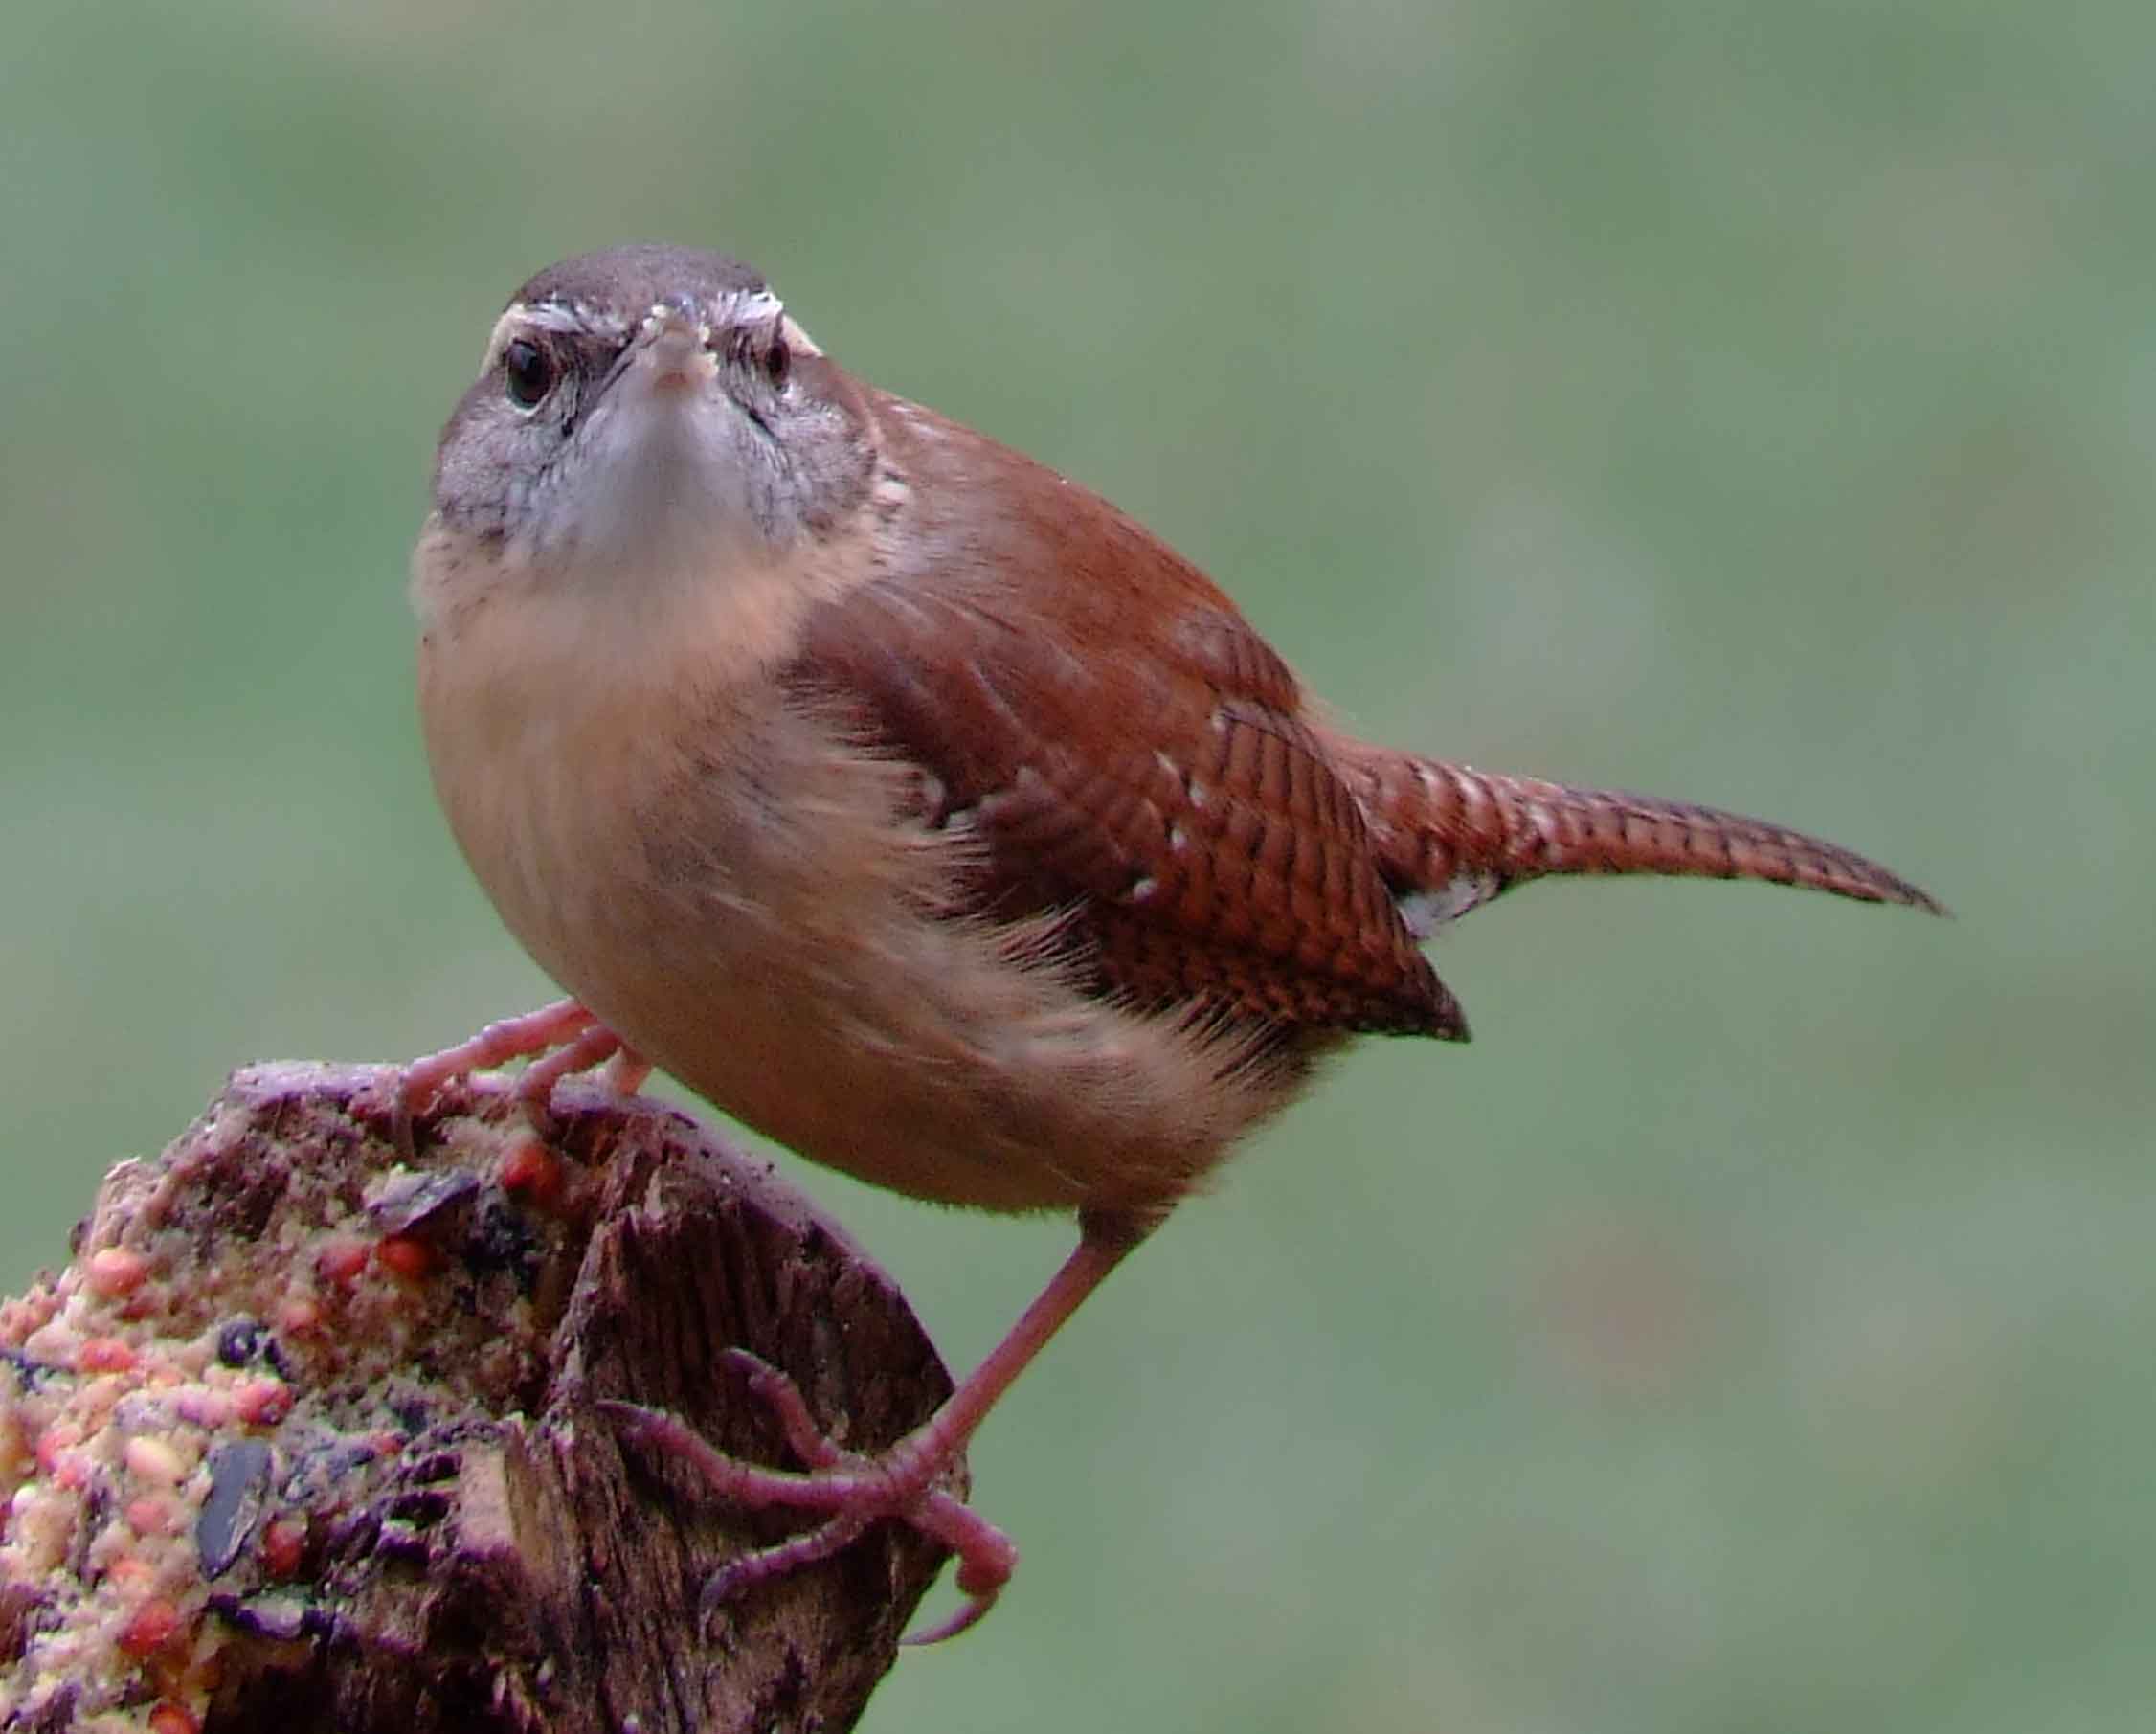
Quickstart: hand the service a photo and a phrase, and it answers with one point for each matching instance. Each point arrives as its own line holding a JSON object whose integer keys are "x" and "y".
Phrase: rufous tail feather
{"x": 1452, "y": 837}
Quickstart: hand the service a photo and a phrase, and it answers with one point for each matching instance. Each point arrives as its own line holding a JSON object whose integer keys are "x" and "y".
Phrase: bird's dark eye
{"x": 528, "y": 372}
{"x": 779, "y": 363}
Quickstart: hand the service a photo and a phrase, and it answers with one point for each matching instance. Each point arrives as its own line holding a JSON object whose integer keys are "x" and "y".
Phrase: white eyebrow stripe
{"x": 750, "y": 309}
{"x": 577, "y": 317}
{"x": 737, "y": 307}
{"x": 510, "y": 323}
{"x": 746, "y": 308}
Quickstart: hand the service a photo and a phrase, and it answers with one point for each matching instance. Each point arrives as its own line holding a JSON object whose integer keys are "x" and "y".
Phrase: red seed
{"x": 152, "y": 1627}
{"x": 284, "y": 1544}
{"x": 105, "y": 1355}
{"x": 169, "y": 1718}
{"x": 112, "y": 1271}
{"x": 401, "y": 1256}
{"x": 341, "y": 1260}
{"x": 262, "y": 1402}
{"x": 533, "y": 1172}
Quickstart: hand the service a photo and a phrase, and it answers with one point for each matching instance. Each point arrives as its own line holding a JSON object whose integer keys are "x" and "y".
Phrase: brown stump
{"x": 303, "y": 1437}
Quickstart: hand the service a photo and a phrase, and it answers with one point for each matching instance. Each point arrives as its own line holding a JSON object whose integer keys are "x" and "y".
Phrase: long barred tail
{"x": 1452, "y": 838}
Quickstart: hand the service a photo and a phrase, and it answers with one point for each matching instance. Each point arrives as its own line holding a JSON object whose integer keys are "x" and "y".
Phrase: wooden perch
{"x": 303, "y": 1436}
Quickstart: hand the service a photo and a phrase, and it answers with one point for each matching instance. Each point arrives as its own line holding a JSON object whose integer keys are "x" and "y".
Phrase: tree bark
{"x": 303, "y": 1436}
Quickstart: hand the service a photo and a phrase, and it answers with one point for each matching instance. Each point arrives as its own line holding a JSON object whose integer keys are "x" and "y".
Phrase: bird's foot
{"x": 846, "y": 1490}
{"x": 558, "y": 1039}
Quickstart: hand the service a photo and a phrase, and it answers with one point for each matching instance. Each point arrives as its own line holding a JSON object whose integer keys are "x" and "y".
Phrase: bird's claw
{"x": 849, "y": 1491}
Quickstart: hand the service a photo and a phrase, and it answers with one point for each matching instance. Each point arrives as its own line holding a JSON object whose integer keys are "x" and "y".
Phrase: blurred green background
{"x": 1751, "y": 402}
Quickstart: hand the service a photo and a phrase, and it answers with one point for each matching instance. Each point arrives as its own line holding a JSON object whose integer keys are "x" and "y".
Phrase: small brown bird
{"x": 915, "y": 807}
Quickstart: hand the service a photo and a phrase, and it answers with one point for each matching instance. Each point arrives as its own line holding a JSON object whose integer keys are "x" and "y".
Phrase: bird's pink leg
{"x": 628, "y": 1070}
{"x": 564, "y": 1037}
{"x": 849, "y": 1491}
{"x": 496, "y": 1045}
{"x": 597, "y": 1045}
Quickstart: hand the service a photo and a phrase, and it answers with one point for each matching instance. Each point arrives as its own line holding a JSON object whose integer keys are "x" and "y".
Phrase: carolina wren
{"x": 912, "y": 804}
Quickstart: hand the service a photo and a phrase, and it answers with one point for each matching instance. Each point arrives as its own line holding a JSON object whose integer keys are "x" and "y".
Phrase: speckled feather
{"x": 1125, "y": 749}
{"x": 1137, "y": 757}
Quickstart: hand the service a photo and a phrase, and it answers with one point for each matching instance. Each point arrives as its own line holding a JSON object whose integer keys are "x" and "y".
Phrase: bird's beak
{"x": 672, "y": 351}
